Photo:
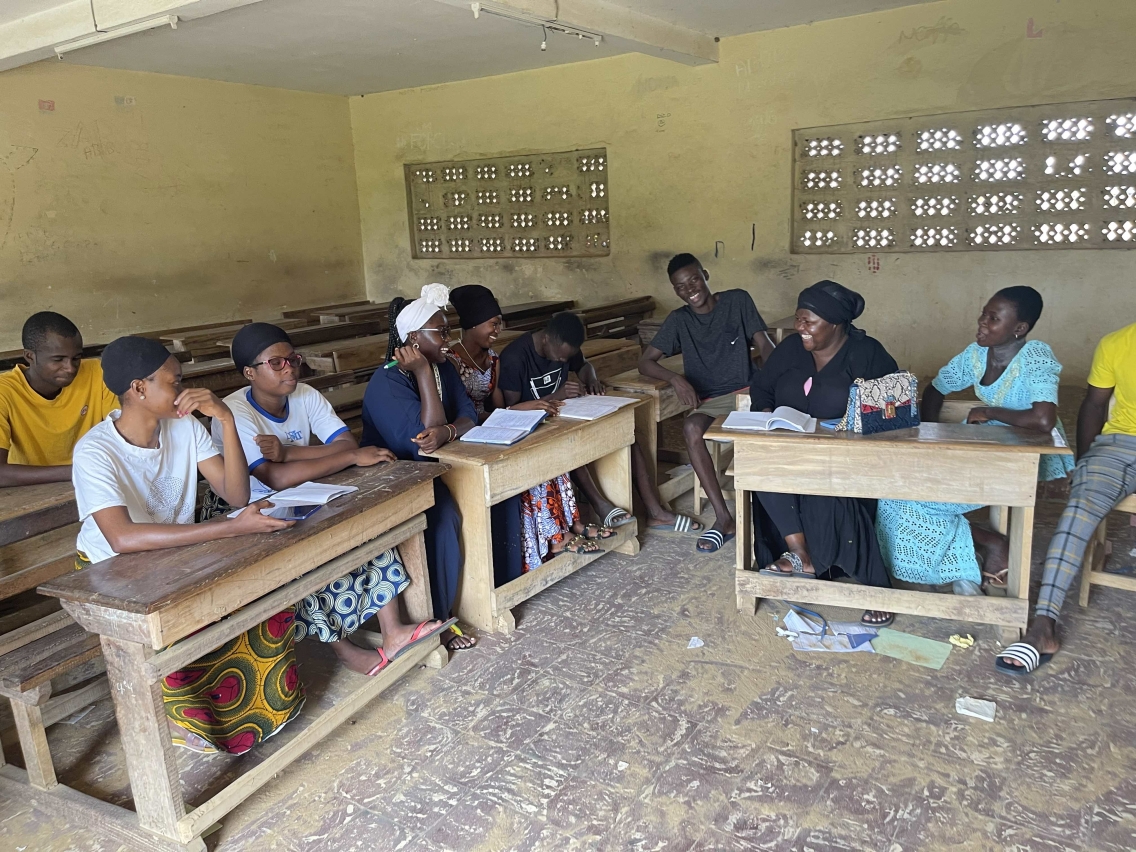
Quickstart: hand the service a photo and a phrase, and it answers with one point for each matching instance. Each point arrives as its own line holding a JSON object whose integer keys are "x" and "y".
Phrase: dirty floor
{"x": 595, "y": 727}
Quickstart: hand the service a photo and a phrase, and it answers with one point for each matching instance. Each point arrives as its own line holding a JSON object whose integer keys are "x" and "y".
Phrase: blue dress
{"x": 930, "y": 543}
{"x": 392, "y": 417}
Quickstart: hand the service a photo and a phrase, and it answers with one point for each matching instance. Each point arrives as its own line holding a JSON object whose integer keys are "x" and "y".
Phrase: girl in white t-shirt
{"x": 135, "y": 477}
{"x": 276, "y": 418}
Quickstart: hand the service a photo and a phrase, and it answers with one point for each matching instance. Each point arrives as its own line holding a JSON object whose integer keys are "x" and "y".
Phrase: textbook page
{"x": 306, "y": 494}
{"x": 762, "y": 421}
{"x": 494, "y": 435}
{"x": 504, "y": 418}
{"x": 592, "y": 407}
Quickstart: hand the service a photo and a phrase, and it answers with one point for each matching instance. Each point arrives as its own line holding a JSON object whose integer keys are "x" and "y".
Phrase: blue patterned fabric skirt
{"x": 341, "y": 607}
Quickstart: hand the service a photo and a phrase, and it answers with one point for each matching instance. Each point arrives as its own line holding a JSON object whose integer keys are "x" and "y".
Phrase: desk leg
{"x": 613, "y": 475}
{"x": 1018, "y": 577}
{"x": 475, "y": 603}
{"x": 416, "y": 598}
{"x": 647, "y": 436}
{"x": 743, "y": 522}
{"x": 150, "y": 761}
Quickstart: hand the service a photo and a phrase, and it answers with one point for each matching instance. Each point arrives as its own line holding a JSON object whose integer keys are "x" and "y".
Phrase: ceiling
{"x": 350, "y": 47}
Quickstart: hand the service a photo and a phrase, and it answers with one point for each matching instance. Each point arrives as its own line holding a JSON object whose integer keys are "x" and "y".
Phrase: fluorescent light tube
{"x": 117, "y": 32}
{"x": 533, "y": 21}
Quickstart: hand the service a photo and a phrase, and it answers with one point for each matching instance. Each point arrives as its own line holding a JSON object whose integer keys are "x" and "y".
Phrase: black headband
{"x": 253, "y": 339}
{"x": 475, "y": 304}
{"x": 130, "y": 358}
{"x": 832, "y": 302}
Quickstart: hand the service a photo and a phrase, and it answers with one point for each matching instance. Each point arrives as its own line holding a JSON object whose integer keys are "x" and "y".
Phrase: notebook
{"x": 762, "y": 421}
{"x": 592, "y": 407}
{"x": 504, "y": 427}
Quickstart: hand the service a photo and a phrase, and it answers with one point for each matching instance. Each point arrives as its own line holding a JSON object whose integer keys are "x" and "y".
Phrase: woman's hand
{"x": 410, "y": 360}
{"x": 428, "y": 440}
{"x": 685, "y": 391}
{"x": 548, "y": 405}
{"x": 978, "y": 414}
{"x": 368, "y": 456}
{"x": 251, "y": 521}
{"x": 203, "y": 400}
{"x": 271, "y": 448}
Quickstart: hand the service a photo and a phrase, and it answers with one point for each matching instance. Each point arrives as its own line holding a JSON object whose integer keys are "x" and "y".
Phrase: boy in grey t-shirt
{"x": 713, "y": 331}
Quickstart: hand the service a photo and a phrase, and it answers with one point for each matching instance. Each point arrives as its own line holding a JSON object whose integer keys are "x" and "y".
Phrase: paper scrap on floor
{"x": 976, "y": 707}
{"x": 841, "y": 636}
{"x": 307, "y": 494}
{"x": 911, "y": 648}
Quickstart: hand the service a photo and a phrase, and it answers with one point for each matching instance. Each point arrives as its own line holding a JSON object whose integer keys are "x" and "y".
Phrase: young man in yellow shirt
{"x": 1105, "y": 475}
{"x": 46, "y": 407}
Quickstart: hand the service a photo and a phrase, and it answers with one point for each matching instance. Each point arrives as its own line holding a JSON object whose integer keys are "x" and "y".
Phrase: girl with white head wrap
{"x": 415, "y": 315}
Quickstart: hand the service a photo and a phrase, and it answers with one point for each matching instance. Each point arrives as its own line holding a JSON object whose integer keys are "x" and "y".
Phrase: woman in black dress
{"x": 811, "y": 371}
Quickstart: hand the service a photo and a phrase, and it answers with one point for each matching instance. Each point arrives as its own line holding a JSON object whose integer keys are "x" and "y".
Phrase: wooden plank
{"x": 155, "y": 784}
{"x": 886, "y": 469}
{"x": 419, "y": 605}
{"x": 28, "y": 633}
{"x": 556, "y": 569}
{"x": 37, "y": 662}
{"x": 612, "y": 473}
{"x": 313, "y": 335}
{"x": 28, "y": 510}
{"x": 33, "y": 743}
{"x": 19, "y": 557}
{"x": 475, "y": 601}
{"x": 313, "y": 312}
{"x": 528, "y": 310}
{"x": 209, "y": 812}
{"x": 343, "y": 355}
{"x": 610, "y": 357}
{"x": 62, "y": 706}
{"x": 982, "y": 610}
{"x": 160, "y": 333}
{"x": 100, "y": 817}
{"x": 183, "y": 653}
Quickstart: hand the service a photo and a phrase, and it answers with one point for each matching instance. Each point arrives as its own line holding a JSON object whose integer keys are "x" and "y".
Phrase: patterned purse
{"x": 882, "y": 405}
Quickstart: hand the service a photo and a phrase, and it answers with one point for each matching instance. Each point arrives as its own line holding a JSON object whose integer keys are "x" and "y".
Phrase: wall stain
{"x": 941, "y": 31}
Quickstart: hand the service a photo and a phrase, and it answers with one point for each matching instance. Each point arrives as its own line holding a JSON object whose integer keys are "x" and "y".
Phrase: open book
{"x": 305, "y": 494}
{"x": 504, "y": 427}
{"x": 592, "y": 407}
{"x": 761, "y": 421}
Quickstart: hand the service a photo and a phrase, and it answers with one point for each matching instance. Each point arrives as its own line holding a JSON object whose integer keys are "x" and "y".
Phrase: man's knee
{"x": 694, "y": 427}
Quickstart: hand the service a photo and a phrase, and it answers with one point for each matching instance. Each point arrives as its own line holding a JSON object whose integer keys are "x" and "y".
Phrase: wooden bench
{"x": 312, "y": 314}
{"x": 611, "y": 357}
{"x": 616, "y": 319}
{"x": 526, "y": 316}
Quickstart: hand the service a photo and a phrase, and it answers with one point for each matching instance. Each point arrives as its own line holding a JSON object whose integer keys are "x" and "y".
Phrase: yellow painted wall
{"x": 194, "y": 201}
{"x": 700, "y": 155}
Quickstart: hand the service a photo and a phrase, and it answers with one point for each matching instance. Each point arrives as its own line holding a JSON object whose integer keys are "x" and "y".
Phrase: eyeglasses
{"x": 442, "y": 332}
{"x": 294, "y": 361}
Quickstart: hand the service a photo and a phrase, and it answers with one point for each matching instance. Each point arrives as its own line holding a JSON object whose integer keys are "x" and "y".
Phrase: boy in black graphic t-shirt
{"x": 713, "y": 331}
{"x": 537, "y": 366}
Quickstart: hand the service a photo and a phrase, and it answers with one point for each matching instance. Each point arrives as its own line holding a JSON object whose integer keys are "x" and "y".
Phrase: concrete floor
{"x": 593, "y": 727}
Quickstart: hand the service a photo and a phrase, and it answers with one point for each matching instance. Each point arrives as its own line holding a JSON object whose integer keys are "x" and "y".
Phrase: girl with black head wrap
{"x": 811, "y": 371}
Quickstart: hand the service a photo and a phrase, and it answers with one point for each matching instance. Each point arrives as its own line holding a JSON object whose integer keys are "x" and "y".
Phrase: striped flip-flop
{"x": 682, "y": 524}
{"x": 1025, "y": 654}
{"x": 714, "y": 537}
{"x": 618, "y": 517}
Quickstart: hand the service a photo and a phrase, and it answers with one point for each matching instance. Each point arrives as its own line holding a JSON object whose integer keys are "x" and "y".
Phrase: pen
{"x": 391, "y": 364}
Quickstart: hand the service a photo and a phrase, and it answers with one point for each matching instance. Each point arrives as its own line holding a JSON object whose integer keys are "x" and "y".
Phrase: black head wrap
{"x": 130, "y": 358}
{"x": 832, "y": 302}
{"x": 253, "y": 339}
{"x": 475, "y": 304}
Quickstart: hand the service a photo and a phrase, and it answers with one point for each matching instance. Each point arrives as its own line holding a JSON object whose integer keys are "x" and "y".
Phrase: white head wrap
{"x": 416, "y": 314}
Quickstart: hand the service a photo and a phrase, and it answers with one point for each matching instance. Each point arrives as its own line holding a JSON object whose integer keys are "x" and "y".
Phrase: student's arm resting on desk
{"x": 649, "y": 366}
{"x": 1092, "y": 417}
{"x": 30, "y": 474}
{"x": 125, "y": 536}
{"x": 1040, "y": 417}
{"x": 341, "y": 453}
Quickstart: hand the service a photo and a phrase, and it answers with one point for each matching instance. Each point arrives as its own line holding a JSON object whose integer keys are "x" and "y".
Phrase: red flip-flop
{"x": 384, "y": 661}
{"x": 418, "y": 636}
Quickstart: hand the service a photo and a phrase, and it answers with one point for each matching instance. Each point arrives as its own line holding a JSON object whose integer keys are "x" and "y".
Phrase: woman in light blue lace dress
{"x": 1016, "y": 380}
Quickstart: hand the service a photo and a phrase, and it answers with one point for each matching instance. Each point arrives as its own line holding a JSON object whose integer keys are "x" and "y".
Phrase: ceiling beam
{"x": 646, "y": 34}
{"x": 30, "y": 39}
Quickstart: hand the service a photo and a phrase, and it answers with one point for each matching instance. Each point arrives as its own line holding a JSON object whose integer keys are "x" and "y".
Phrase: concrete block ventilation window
{"x": 1056, "y": 176}
{"x": 536, "y": 205}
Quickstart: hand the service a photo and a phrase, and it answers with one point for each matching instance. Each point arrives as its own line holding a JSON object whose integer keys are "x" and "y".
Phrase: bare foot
{"x": 995, "y": 549}
{"x": 876, "y": 618}
{"x": 455, "y": 641}
{"x": 394, "y": 640}
{"x": 1042, "y": 634}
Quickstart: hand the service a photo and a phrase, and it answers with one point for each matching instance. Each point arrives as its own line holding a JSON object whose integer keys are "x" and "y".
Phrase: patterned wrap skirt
{"x": 548, "y": 512}
{"x": 242, "y": 693}
{"x": 341, "y": 607}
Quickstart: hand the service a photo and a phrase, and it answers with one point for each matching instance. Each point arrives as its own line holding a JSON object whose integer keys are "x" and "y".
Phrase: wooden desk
{"x": 28, "y": 510}
{"x": 482, "y": 475}
{"x": 782, "y": 328}
{"x": 313, "y": 313}
{"x": 142, "y": 603}
{"x": 662, "y": 402}
{"x": 947, "y": 462}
